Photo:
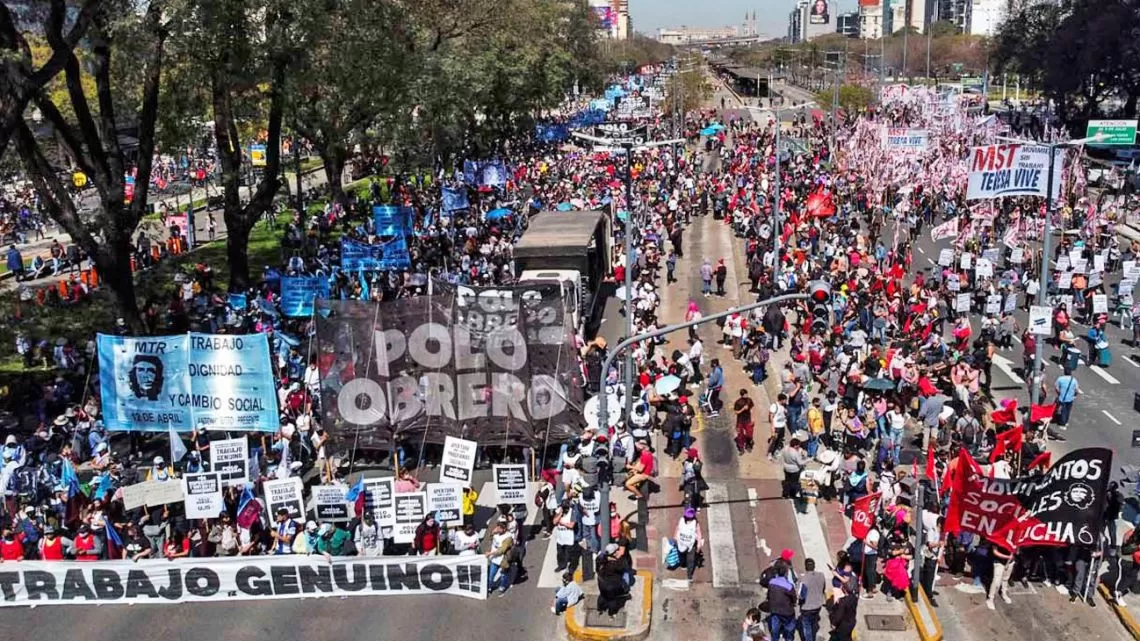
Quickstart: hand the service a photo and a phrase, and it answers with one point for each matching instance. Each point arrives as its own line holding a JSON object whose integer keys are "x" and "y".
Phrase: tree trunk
{"x": 113, "y": 262}
{"x": 334, "y": 158}
{"x": 1130, "y": 105}
{"x": 237, "y": 251}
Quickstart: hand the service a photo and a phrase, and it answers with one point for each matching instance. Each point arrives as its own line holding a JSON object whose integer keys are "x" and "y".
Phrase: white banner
{"x": 230, "y": 458}
{"x": 240, "y": 578}
{"x": 1012, "y": 170}
{"x": 286, "y": 493}
{"x": 458, "y": 460}
{"x": 203, "y": 495}
{"x": 329, "y": 504}
{"x": 152, "y": 493}
{"x": 902, "y": 139}
{"x": 948, "y": 229}
{"x": 1041, "y": 320}
{"x": 962, "y": 303}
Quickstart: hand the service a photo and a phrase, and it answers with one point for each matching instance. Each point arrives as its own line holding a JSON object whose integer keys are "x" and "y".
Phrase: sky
{"x": 771, "y": 15}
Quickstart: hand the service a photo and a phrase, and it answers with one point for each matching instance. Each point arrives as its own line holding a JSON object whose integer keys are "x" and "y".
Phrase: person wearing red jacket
{"x": 11, "y": 544}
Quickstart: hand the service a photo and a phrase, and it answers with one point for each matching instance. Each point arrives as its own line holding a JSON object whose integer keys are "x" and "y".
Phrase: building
{"x": 685, "y": 35}
{"x": 810, "y": 19}
{"x": 985, "y": 16}
{"x": 848, "y": 24}
{"x": 871, "y": 19}
{"x": 613, "y": 18}
{"x": 900, "y": 13}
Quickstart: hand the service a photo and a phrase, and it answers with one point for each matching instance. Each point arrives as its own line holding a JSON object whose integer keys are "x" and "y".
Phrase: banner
{"x": 458, "y": 460}
{"x": 948, "y": 229}
{"x": 203, "y": 494}
{"x": 455, "y": 198}
{"x": 1012, "y": 170}
{"x": 510, "y": 483}
{"x": 285, "y": 493}
{"x": 230, "y": 459}
{"x": 355, "y": 256}
{"x": 863, "y": 515}
{"x": 152, "y": 493}
{"x": 329, "y": 505}
{"x": 202, "y": 381}
{"x": 257, "y": 155}
{"x": 240, "y": 578}
{"x": 299, "y": 292}
{"x": 485, "y": 364}
{"x": 411, "y": 509}
{"x": 902, "y": 139}
{"x": 391, "y": 220}
{"x": 1062, "y": 507}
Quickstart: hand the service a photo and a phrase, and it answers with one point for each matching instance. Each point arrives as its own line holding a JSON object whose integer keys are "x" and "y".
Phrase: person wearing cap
{"x": 689, "y": 540}
{"x": 331, "y": 541}
{"x": 160, "y": 471}
{"x": 52, "y": 546}
{"x": 693, "y": 482}
{"x": 86, "y": 546}
{"x": 283, "y": 532}
{"x": 781, "y": 601}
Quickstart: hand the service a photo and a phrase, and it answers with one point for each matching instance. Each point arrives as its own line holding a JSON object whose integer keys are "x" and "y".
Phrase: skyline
{"x": 771, "y": 15}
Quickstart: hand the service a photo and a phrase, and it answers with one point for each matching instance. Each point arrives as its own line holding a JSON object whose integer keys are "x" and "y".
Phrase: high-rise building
{"x": 810, "y": 19}
{"x": 985, "y": 16}
{"x": 871, "y": 19}
{"x": 613, "y": 16}
{"x": 848, "y": 24}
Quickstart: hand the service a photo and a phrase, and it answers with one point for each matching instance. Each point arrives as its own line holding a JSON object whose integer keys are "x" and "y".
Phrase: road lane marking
{"x": 753, "y": 497}
{"x": 1111, "y": 417}
{"x": 1109, "y": 378}
{"x": 1131, "y": 361}
{"x": 722, "y": 549}
{"x": 1006, "y": 366}
{"x": 921, "y": 251}
{"x": 810, "y": 528}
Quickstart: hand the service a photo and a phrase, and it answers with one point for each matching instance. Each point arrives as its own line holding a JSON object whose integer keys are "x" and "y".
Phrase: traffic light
{"x": 820, "y": 305}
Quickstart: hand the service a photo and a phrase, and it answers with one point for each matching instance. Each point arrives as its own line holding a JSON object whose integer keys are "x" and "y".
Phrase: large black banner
{"x": 493, "y": 365}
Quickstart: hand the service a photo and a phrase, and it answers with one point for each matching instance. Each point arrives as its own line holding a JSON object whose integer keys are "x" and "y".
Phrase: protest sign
{"x": 1012, "y": 170}
{"x": 962, "y": 303}
{"x": 1064, "y": 280}
{"x": 356, "y": 256}
{"x": 1100, "y": 303}
{"x": 1098, "y": 263}
{"x": 458, "y": 460}
{"x": 446, "y": 500}
{"x": 1017, "y": 256}
{"x": 197, "y": 380}
{"x": 1063, "y": 263}
{"x": 953, "y": 282}
{"x": 510, "y": 483}
{"x": 230, "y": 458}
{"x": 152, "y": 493}
{"x": 378, "y": 500}
{"x": 285, "y": 493}
{"x": 1041, "y": 320}
{"x": 299, "y": 292}
{"x": 410, "y": 508}
{"x": 946, "y": 257}
{"x": 454, "y": 199}
{"x": 1010, "y": 302}
{"x": 243, "y": 578}
{"x": 992, "y": 254}
{"x": 1131, "y": 270}
{"x": 948, "y": 229}
{"x": 966, "y": 260}
{"x": 993, "y": 304}
{"x": 203, "y": 492}
{"x": 984, "y": 268}
{"x": 902, "y": 139}
{"x": 329, "y": 505}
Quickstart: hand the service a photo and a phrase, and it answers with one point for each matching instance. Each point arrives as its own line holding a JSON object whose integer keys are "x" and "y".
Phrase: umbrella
{"x": 879, "y": 384}
{"x": 667, "y": 384}
{"x": 564, "y": 207}
{"x": 498, "y": 214}
{"x": 593, "y": 406}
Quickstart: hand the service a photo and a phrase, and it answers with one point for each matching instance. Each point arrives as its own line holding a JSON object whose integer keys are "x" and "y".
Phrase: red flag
{"x": 953, "y": 481}
{"x": 1043, "y": 459}
{"x": 1007, "y": 414}
{"x": 931, "y": 468}
{"x": 1039, "y": 413}
{"x": 1010, "y": 440}
{"x": 863, "y": 515}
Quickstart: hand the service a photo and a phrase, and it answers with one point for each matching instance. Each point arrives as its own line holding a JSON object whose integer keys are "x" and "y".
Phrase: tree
{"x": 91, "y": 138}
{"x": 356, "y": 64}
{"x": 852, "y": 98}
{"x": 23, "y": 75}
{"x": 245, "y": 48}
{"x": 688, "y": 89}
{"x": 943, "y": 28}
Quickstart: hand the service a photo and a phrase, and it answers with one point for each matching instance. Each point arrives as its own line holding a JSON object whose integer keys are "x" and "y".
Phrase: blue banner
{"x": 299, "y": 292}
{"x": 391, "y": 220}
{"x": 470, "y": 169}
{"x": 393, "y": 254}
{"x": 493, "y": 173}
{"x": 552, "y": 132}
{"x": 601, "y": 104}
{"x": 455, "y": 199}
{"x": 238, "y": 301}
{"x": 204, "y": 381}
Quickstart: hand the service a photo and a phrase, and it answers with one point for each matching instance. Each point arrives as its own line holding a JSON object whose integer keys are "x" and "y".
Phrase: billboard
{"x": 606, "y": 17}
{"x": 870, "y": 3}
{"x": 820, "y": 12}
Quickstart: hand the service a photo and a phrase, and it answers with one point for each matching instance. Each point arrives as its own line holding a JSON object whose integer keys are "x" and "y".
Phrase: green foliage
{"x": 691, "y": 88}
{"x": 852, "y": 98}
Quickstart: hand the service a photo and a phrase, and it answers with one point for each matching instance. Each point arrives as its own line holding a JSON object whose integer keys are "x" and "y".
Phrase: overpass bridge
{"x": 723, "y": 42}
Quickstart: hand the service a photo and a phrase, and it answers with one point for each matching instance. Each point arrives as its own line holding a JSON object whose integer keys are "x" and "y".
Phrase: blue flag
{"x": 356, "y": 490}
{"x": 364, "y": 293}
{"x": 113, "y": 536}
{"x": 69, "y": 478}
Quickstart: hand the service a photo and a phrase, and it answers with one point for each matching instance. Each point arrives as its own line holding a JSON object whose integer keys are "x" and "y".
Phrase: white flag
{"x": 177, "y": 447}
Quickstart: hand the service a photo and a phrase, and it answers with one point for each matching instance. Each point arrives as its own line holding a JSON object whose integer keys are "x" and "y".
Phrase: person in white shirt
{"x": 466, "y": 541}
{"x": 367, "y": 537}
{"x": 689, "y": 540}
{"x": 567, "y": 551}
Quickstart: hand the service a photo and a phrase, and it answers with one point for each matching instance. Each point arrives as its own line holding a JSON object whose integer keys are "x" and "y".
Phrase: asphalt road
{"x": 1103, "y": 416}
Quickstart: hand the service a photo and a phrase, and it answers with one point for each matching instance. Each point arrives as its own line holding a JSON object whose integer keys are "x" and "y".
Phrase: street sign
{"x": 1115, "y": 132}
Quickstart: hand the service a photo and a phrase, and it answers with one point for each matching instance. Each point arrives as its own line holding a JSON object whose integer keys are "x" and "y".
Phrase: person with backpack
{"x": 781, "y": 600}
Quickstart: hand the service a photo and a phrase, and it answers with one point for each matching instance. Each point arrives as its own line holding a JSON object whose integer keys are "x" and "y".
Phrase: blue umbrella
{"x": 498, "y": 214}
{"x": 564, "y": 207}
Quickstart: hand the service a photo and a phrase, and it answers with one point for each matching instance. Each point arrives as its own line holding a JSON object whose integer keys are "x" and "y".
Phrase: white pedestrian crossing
{"x": 722, "y": 548}
{"x": 812, "y": 538}
{"x": 1109, "y": 378}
